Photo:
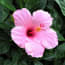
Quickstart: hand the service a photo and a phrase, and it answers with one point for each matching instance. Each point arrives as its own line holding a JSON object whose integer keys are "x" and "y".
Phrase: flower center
{"x": 30, "y": 33}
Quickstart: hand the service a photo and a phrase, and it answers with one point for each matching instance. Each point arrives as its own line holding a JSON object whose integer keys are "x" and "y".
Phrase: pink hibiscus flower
{"x": 33, "y": 32}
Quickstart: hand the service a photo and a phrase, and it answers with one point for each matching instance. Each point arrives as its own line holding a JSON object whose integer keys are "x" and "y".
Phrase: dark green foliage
{"x": 61, "y": 4}
{"x": 60, "y": 51}
{"x": 10, "y": 53}
{"x": 4, "y": 42}
{"x": 37, "y": 63}
{"x": 3, "y": 13}
{"x": 8, "y": 4}
{"x": 35, "y": 4}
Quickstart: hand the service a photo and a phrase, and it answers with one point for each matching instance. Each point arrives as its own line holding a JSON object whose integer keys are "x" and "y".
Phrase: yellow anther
{"x": 38, "y": 29}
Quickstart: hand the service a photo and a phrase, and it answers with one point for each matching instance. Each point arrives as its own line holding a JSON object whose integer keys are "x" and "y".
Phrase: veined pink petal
{"x": 42, "y": 18}
{"x": 49, "y": 38}
{"x": 22, "y": 17}
{"x": 33, "y": 32}
{"x": 18, "y": 36}
{"x": 34, "y": 49}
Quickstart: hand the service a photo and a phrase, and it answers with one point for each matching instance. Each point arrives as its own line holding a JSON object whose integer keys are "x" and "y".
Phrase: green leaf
{"x": 3, "y": 13}
{"x": 58, "y": 62}
{"x": 60, "y": 36}
{"x": 37, "y": 63}
{"x": 4, "y": 26}
{"x": 7, "y": 4}
{"x": 16, "y": 54}
{"x": 57, "y": 18}
{"x": 4, "y": 42}
{"x": 35, "y": 4}
{"x": 60, "y": 51}
{"x": 20, "y": 3}
{"x": 64, "y": 63}
{"x": 49, "y": 55}
{"x": 1, "y": 60}
{"x": 7, "y": 25}
{"x": 61, "y": 4}
{"x": 7, "y": 62}
{"x": 23, "y": 63}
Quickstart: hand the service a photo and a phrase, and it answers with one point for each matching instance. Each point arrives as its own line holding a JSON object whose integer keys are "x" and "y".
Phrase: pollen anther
{"x": 38, "y": 29}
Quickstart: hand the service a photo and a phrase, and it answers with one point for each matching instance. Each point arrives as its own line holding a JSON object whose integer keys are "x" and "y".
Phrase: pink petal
{"x": 34, "y": 49}
{"x": 42, "y": 18}
{"x": 18, "y": 36}
{"x": 48, "y": 38}
{"x": 22, "y": 17}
